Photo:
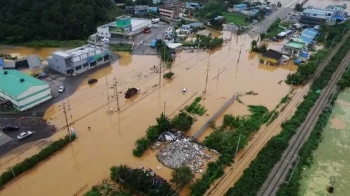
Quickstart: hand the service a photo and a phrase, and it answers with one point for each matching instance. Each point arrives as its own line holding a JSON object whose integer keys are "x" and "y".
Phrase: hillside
{"x": 27, "y": 20}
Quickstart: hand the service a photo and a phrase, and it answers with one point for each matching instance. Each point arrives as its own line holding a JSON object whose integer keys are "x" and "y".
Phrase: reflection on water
{"x": 331, "y": 159}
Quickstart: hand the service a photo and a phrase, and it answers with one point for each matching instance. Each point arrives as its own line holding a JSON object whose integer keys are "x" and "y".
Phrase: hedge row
{"x": 305, "y": 154}
{"x": 31, "y": 162}
{"x": 225, "y": 140}
{"x": 257, "y": 172}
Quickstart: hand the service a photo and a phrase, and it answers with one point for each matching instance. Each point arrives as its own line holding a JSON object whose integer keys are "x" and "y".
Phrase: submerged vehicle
{"x": 131, "y": 92}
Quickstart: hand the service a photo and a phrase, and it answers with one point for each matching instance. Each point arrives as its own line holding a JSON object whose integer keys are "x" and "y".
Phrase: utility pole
{"x": 65, "y": 116}
{"x": 116, "y": 92}
{"x": 70, "y": 108}
{"x": 164, "y": 107}
{"x": 291, "y": 175}
{"x": 198, "y": 50}
{"x": 239, "y": 140}
{"x": 107, "y": 94}
{"x": 332, "y": 42}
{"x": 206, "y": 79}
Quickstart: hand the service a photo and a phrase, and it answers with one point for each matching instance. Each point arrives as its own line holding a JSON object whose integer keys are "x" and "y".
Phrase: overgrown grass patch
{"x": 235, "y": 18}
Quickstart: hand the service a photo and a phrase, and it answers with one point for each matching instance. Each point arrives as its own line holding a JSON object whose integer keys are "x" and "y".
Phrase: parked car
{"x": 146, "y": 30}
{"x": 10, "y": 128}
{"x": 24, "y": 135}
{"x": 60, "y": 89}
{"x": 92, "y": 80}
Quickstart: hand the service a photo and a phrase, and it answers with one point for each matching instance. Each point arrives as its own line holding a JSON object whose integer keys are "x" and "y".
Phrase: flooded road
{"x": 331, "y": 165}
{"x": 111, "y": 139}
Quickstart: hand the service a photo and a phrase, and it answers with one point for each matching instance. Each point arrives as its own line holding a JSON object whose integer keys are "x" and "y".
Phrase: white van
{"x": 105, "y": 40}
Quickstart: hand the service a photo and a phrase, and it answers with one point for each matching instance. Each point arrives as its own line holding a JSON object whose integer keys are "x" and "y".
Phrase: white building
{"x": 22, "y": 90}
{"x": 79, "y": 60}
{"x": 123, "y": 27}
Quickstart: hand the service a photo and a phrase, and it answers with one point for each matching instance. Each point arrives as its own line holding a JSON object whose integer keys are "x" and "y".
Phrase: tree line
{"x": 234, "y": 132}
{"x": 259, "y": 169}
{"x": 24, "y": 21}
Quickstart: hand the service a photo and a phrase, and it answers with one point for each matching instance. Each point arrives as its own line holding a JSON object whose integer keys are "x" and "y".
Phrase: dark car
{"x": 92, "y": 80}
{"x": 131, "y": 92}
{"x": 10, "y": 128}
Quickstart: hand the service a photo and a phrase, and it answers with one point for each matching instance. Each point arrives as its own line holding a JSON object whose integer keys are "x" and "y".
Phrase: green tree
{"x": 262, "y": 36}
{"x": 181, "y": 176}
{"x": 163, "y": 122}
{"x": 254, "y": 43}
{"x": 298, "y": 7}
{"x": 182, "y": 122}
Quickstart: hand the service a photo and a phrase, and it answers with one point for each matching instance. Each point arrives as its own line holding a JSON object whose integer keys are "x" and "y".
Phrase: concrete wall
{"x": 57, "y": 63}
{"x": 103, "y": 32}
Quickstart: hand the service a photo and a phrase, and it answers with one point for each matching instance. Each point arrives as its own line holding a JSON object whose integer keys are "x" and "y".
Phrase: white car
{"x": 24, "y": 135}
{"x": 60, "y": 89}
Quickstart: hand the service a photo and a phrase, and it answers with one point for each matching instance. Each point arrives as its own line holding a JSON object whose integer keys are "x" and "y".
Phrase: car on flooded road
{"x": 10, "y": 128}
{"x": 24, "y": 135}
{"x": 92, "y": 80}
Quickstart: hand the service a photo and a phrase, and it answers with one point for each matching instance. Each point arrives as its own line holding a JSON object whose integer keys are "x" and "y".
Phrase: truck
{"x": 155, "y": 20}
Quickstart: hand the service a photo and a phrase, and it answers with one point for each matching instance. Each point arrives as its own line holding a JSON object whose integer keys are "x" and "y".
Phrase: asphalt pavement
{"x": 8, "y": 139}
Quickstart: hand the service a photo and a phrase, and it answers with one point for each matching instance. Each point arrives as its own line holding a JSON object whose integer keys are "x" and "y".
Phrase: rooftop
{"x": 318, "y": 11}
{"x": 76, "y": 51}
{"x": 10, "y": 82}
{"x": 297, "y": 45}
{"x": 242, "y": 5}
{"x": 273, "y": 54}
{"x": 134, "y": 22}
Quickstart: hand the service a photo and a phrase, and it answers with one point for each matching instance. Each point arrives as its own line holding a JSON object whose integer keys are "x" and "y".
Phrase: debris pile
{"x": 183, "y": 152}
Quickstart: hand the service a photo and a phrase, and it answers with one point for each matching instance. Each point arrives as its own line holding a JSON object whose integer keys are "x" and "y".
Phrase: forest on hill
{"x": 28, "y": 20}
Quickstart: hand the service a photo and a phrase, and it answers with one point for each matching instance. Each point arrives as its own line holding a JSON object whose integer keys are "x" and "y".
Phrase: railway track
{"x": 281, "y": 169}
{"x": 221, "y": 187}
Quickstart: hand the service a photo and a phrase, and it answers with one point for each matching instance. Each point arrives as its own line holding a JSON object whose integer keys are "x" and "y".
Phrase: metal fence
{"x": 216, "y": 115}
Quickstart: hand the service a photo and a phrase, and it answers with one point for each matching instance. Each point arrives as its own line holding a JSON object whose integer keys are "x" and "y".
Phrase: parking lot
{"x": 8, "y": 139}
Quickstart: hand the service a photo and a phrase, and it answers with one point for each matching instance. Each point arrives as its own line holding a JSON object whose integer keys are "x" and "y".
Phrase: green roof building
{"x": 23, "y": 90}
{"x": 293, "y": 48}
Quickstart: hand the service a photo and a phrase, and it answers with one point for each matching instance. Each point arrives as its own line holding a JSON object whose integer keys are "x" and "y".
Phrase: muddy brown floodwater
{"x": 111, "y": 139}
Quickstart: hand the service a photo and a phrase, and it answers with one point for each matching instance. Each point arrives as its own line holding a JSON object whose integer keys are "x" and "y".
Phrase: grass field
{"x": 235, "y": 18}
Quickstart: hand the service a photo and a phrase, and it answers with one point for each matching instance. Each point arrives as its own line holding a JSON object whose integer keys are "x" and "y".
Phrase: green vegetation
{"x": 306, "y": 157}
{"x": 106, "y": 188}
{"x": 332, "y": 34}
{"x": 164, "y": 52}
{"x": 305, "y": 71}
{"x": 181, "y": 122}
{"x": 260, "y": 49}
{"x": 274, "y": 29}
{"x": 235, "y": 18}
{"x": 169, "y": 75}
{"x": 298, "y": 7}
{"x": 196, "y": 107}
{"x": 286, "y": 24}
{"x": 205, "y": 42}
{"x": 257, "y": 172}
{"x": 22, "y": 21}
{"x": 54, "y": 43}
{"x": 140, "y": 182}
{"x": 32, "y": 161}
{"x": 225, "y": 139}
{"x": 7, "y": 56}
{"x": 121, "y": 47}
{"x": 181, "y": 176}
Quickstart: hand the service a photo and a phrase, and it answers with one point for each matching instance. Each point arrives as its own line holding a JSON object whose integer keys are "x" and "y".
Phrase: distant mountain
{"x": 26, "y": 20}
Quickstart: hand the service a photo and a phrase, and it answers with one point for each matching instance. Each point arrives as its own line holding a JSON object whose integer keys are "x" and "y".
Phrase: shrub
{"x": 168, "y": 75}
{"x": 31, "y": 162}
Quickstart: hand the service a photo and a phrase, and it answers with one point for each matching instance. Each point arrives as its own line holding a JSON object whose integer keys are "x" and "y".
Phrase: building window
{"x": 78, "y": 68}
{"x": 85, "y": 65}
{"x": 99, "y": 59}
{"x": 70, "y": 71}
{"x": 93, "y": 63}
{"x": 106, "y": 58}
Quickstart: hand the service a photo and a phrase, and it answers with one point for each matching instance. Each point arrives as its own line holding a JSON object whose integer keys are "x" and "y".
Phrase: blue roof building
{"x": 308, "y": 35}
{"x": 241, "y": 6}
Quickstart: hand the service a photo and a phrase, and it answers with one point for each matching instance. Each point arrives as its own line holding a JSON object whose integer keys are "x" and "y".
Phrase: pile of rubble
{"x": 183, "y": 152}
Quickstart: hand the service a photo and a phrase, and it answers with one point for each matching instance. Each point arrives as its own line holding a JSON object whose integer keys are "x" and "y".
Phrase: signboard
{"x": 76, "y": 59}
{"x": 84, "y": 56}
